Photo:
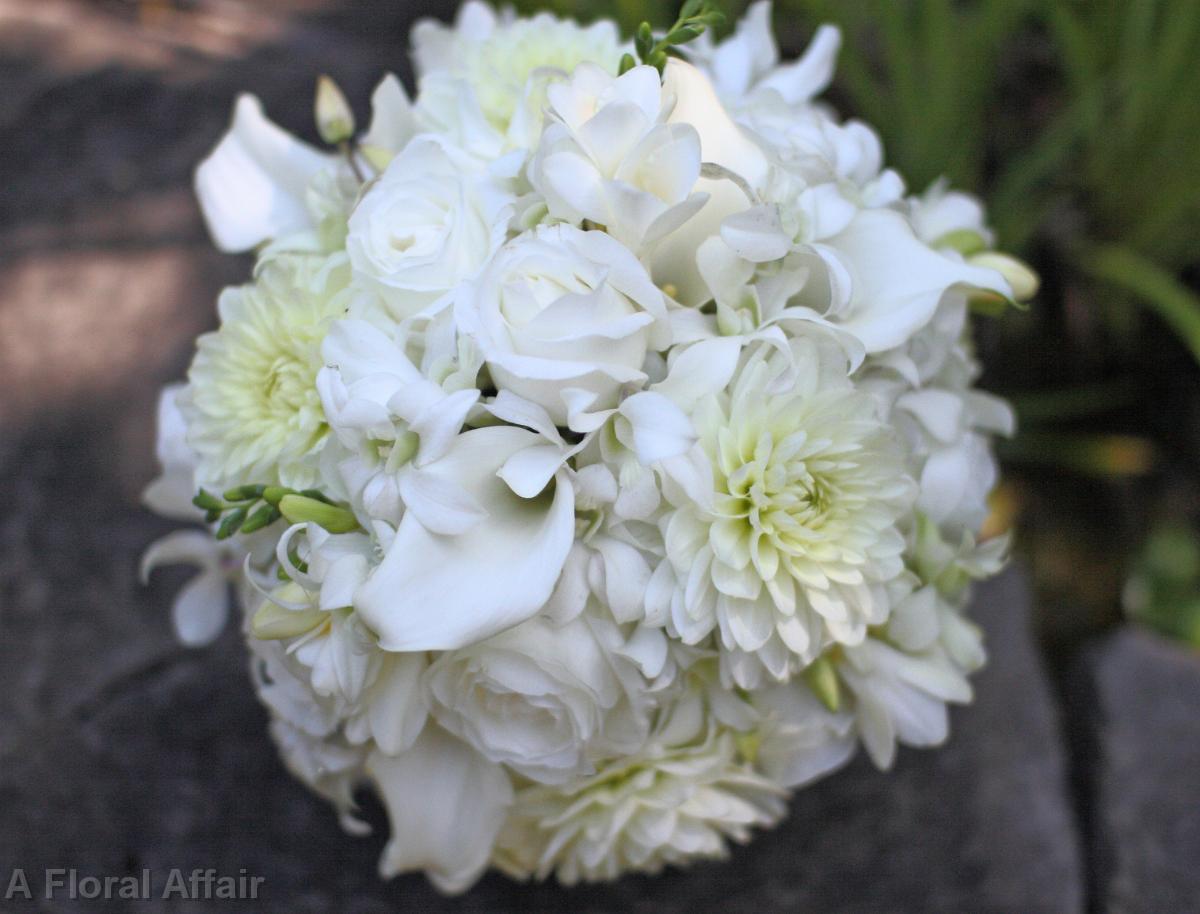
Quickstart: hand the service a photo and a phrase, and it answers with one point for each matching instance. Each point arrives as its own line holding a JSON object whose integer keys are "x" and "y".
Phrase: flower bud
{"x": 299, "y": 509}
{"x": 822, "y": 679}
{"x": 1020, "y": 275}
{"x": 335, "y": 120}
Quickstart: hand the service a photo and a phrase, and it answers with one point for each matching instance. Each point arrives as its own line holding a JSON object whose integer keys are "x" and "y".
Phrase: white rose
{"x": 561, "y": 314}
{"x": 543, "y": 699}
{"x": 429, "y": 222}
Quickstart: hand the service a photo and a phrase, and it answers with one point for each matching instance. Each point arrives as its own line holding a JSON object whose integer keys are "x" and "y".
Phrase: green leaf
{"x": 1149, "y": 284}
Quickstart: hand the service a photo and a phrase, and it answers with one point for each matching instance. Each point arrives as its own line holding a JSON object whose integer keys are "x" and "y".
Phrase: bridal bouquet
{"x": 594, "y": 451}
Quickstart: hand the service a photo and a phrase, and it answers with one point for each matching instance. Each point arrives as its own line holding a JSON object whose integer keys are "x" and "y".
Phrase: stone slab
{"x": 1138, "y": 696}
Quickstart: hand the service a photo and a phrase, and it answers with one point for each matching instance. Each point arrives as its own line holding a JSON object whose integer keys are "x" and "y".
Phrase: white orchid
{"x": 202, "y": 606}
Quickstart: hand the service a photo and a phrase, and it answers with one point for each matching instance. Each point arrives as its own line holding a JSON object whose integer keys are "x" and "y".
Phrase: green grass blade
{"x": 1150, "y": 285}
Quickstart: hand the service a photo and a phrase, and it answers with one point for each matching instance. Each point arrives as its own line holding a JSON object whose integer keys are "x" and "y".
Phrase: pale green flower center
{"x": 501, "y": 68}
{"x": 802, "y": 482}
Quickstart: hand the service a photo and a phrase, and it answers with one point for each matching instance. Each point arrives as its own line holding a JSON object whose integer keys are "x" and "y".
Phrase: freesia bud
{"x": 1020, "y": 275}
{"x": 335, "y": 120}
{"x": 299, "y": 509}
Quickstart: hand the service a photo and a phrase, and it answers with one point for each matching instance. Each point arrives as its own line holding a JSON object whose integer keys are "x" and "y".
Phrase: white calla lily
{"x": 430, "y": 790}
{"x": 251, "y": 187}
{"x": 438, "y": 592}
{"x": 897, "y": 281}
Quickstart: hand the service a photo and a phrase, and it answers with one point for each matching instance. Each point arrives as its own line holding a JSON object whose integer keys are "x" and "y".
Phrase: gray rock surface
{"x": 123, "y": 752}
{"x": 1139, "y": 700}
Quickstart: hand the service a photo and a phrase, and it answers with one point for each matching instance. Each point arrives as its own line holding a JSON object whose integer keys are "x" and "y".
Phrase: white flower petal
{"x": 392, "y": 120}
{"x": 756, "y": 234}
{"x": 626, "y": 577}
{"x": 183, "y": 547}
{"x": 446, "y": 804}
{"x": 397, "y": 710}
{"x": 811, "y": 74}
{"x": 434, "y": 592}
{"x": 251, "y": 187}
{"x": 440, "y": 504}
{"x": 530, "y": 470}
{"x": 201, "y": 608}
{"x": 701, "y": 369}
{"x": 898, "y": 281}
{"x": 660, "y": 428}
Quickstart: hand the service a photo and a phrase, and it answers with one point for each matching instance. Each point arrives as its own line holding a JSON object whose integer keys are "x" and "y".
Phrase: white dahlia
{"x": 504, "y": 62}
{"x": 252, "y": 407}
{"x": 682, "y": 798}
{"x": 803, "y": 526}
